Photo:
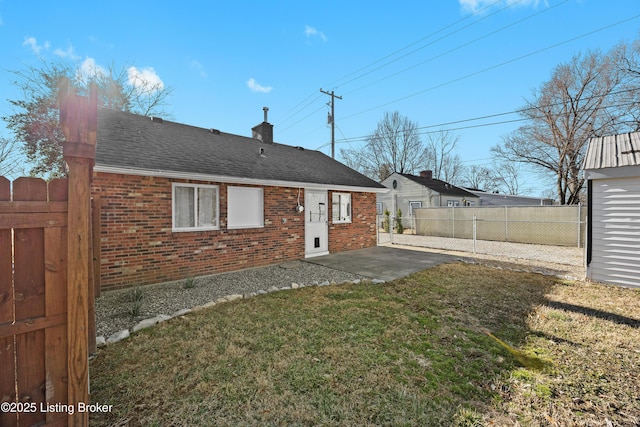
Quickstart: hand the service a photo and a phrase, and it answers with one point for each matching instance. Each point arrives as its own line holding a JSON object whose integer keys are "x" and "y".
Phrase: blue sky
{"x": 436, "y": 62}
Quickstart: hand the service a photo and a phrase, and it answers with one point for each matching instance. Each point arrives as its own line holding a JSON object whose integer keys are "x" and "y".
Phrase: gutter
{"x": 233, "y": 180}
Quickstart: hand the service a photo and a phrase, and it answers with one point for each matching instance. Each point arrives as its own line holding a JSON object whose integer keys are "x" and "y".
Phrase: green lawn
{"x": 458, "y": 344}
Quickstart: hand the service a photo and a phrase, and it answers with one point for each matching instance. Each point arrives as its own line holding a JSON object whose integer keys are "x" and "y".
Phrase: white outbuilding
{"x": 612, "y": 172}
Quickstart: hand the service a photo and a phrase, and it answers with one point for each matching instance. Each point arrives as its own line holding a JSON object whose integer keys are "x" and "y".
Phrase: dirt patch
{"x": 557, "y": 260}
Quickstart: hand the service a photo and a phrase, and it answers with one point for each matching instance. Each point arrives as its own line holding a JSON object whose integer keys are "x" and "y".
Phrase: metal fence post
{"x": 506, "y": 224}
{"x": 579, "y": 222}
{"x": 474, "y": 233}
{"x": 453, "y": 222}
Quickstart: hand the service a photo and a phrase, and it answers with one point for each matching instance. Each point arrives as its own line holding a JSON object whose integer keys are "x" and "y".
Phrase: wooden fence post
{"x": 78, "y": 118}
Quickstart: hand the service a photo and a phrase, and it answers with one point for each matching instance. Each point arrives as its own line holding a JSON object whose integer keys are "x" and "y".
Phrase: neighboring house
{"x": 409, "y": 192}
{"x": 180, "y": 201}
{"x": 612, "y": 171}
{"x": 497, "y": 199}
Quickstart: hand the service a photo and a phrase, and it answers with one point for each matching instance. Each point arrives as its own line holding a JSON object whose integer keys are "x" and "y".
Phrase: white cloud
{"x": 196, "y": 65}
{"x": 313, "y": 32}
{"x": 68, "y": 53}
{"x": 256, "y": 87}
{"x": 144, "y": 78}
{"x": 89, "y": 70}
{"x": 473, "y": 6}
{"x": 33, "y": 44}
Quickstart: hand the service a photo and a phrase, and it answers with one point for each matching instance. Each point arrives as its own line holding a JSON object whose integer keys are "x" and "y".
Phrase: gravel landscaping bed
{"x": 113, "y": 309}
{"x": 528, "y": 253}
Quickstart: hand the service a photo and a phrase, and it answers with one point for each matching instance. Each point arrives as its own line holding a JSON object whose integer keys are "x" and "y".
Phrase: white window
{"x": 451, "y": 203}
{"x": 195, "y": 207}
{"x": 341, "y": 207}
{"x": 414, "y": 205}
{"x": 245, "y": 207}
{"x": 379, "y": 208}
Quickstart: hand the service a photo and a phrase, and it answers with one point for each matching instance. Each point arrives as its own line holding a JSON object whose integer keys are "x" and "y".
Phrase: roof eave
{"x": 231, "y": 179}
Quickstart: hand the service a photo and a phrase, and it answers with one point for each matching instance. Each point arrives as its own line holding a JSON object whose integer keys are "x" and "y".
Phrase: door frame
{"x": 316, "y": 225}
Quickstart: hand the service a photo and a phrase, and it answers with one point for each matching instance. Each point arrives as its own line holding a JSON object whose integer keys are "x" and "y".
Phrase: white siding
{"x": 615, "y": 256}
{"x": 405, "y": 192}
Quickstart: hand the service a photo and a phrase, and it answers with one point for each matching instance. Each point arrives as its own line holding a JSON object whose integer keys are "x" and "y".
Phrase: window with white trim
{"x": 245, "y": 207}
{"x": 379, "y": 208}
{"x": 453, "y": 203}
{"x": 194, "y": 207}
{"x": 341, "y": 207}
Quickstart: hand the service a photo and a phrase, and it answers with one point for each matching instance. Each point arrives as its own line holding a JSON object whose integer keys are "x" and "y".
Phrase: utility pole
{"x": 332, "y": 121}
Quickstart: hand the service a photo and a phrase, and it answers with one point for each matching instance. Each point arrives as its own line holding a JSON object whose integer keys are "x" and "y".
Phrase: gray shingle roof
{"x": 498, "y": 199}
{"x": 131, "y": 141}
{"x": 613, "y": 151}
{"x": 439, "y": 186}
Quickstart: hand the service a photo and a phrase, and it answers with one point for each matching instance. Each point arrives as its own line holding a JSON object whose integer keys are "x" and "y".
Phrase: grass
{"x": 189, "y": 283}
{"x": 459, "y": 344}
{"x": 136, "y": 300}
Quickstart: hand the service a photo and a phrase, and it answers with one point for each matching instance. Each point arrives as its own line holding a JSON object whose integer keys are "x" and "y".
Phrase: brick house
{"x": 180, "y": 201}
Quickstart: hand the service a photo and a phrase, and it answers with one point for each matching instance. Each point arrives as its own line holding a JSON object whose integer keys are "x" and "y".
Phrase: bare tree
{"x": 127, "y": 89}
{"x": 480, "y": 178}
{"x": 395, "y": 146}
{"x": 574, "y": 105}
{"x": 442, "y": 158}
{"x": 628, "y": 97}
{"x": 34, "y": 120}
{"x": 506, "y": 177}
{"x": 9, "y": 161}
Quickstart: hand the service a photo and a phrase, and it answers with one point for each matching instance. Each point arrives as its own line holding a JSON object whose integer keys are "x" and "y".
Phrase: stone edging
{"x": 146, "y": 323}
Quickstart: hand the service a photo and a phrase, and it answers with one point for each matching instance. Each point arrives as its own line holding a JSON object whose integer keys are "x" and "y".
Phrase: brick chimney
{"x": 426, "y": 174}
{"x": 264, "y": 131}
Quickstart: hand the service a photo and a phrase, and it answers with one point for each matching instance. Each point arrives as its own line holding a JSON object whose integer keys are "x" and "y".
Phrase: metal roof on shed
{"x": 613, "y": 151}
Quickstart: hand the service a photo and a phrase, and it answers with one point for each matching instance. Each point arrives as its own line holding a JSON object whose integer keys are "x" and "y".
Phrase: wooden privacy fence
{"x": 33, "y": 301}
{"x": 46, "y": 291}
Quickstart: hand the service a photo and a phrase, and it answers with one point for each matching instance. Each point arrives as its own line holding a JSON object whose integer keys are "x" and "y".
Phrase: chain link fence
{"x": 554, "y": 234}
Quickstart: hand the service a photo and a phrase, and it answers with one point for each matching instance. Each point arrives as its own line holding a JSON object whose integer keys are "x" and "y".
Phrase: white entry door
{"x": 316, "y": 233}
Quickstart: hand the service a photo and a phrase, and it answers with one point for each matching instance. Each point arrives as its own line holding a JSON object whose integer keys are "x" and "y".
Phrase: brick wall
{"x": 361, "y": 232}
{"x": 138, "y": 246}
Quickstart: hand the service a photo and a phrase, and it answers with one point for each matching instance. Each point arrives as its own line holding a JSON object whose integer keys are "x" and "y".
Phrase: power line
{"x": 443, "y": 125}
{"x": 297, "y": 105}
{"x": 430, "y": 43}
{"x": 493, "y": 67}
{"x": 300, "y": 120}
{"x": 487, "y": 69}
{"x": 460, "y": 46}
{"x": 480, "y": 11}
{"x": 471, "y": 74}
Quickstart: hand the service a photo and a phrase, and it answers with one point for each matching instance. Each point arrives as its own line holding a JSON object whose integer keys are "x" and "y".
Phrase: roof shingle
{"x": 441, "y": 187}
{"x": 131, "y": 141}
